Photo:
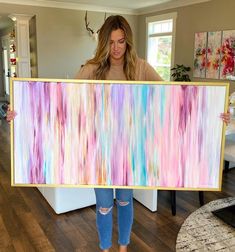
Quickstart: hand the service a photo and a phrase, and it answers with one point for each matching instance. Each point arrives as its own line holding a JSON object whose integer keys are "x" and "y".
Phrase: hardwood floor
{"x": 28, "y": 223}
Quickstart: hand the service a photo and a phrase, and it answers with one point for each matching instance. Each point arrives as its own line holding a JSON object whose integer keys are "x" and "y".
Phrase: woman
{"x": 116, "y": 59}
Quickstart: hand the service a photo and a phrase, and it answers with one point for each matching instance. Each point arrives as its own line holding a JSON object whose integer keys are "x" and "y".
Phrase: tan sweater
{"x": 144, "y": 72}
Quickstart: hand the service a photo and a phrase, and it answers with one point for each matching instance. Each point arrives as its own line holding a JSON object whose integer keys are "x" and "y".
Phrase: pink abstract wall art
{"x": 227, "y": 54}
{"x": 213, "y": 55}
{"x": 200, "y": 44}
{"x": 73, "y": 133}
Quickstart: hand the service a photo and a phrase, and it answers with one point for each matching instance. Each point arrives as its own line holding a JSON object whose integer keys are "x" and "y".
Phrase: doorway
{"x": 6, "y": 28}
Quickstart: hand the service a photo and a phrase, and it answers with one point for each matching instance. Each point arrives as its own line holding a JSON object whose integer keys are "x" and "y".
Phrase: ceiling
{"x": 123, "y": 4}
{"x": 113, "y": 6}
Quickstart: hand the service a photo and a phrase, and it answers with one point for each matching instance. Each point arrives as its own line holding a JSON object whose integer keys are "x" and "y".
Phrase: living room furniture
{"x": 203, "y": 231}
{"x": 173, "y": 200}
{"x": 68, "y": 199}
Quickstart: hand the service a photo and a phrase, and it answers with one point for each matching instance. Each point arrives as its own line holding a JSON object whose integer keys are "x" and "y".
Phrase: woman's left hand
{"x": 226, "y": 117}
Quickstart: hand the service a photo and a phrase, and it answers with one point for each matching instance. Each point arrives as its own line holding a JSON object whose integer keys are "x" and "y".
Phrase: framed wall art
{"x": 200, "y": 43}
{"x": 213, "y": 55}
{"x": 82, "y": 133}
{"x": 227, "y": 54}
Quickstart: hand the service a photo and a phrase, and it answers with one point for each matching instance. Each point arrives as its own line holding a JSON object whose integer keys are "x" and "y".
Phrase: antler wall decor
{"x": 91, "y": 31}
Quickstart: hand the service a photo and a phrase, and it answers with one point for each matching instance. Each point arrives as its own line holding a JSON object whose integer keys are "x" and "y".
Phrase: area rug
{"x": 203, "y": 231}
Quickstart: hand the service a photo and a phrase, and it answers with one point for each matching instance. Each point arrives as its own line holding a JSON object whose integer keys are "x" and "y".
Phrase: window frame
{"x": 158, "y": 18}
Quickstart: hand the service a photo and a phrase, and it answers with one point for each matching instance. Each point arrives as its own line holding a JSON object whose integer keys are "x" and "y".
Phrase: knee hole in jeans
{"x": 122, "y": 203}
{"x": 105, "y": 211}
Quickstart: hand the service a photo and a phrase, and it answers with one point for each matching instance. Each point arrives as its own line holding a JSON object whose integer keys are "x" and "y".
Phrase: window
{"x": 160, "y": 43}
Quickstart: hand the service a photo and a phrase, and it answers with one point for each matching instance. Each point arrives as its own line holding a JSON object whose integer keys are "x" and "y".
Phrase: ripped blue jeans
{"x": 104, "y": 215}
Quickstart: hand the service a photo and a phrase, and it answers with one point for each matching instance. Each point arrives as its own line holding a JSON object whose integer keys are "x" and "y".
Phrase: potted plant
{"x": 180, "y": 73}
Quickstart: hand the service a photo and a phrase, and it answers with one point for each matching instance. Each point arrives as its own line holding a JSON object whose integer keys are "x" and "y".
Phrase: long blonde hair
{"x": 101, "y": 58}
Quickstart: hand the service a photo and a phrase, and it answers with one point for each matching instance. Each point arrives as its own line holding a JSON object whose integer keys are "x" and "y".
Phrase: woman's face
{"x": 117, "y": 46}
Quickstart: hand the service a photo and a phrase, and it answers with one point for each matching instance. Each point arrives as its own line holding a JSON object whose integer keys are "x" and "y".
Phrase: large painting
{"x": 118, "y": 134}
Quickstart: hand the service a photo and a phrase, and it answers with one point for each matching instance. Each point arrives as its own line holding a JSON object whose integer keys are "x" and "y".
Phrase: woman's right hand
{"x": 11, "y": 114}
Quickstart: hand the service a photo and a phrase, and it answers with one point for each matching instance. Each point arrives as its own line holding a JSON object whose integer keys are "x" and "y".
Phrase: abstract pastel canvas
{"x": 117, "y": 134}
